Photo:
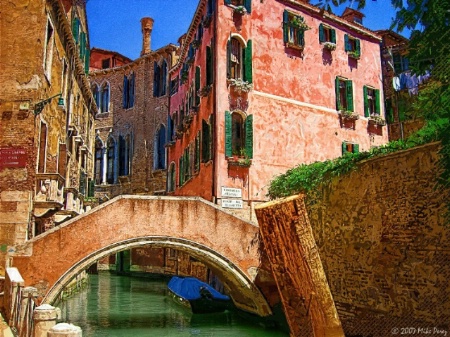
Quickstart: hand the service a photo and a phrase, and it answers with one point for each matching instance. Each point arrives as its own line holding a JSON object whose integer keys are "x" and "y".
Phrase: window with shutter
{"x": 111, "y": 151}
{"x": 327, "y": 36}
{"x": 371, "y": 101}
{"x": 352, "y": 46}
{"x": 344, "y": 94}
{"x": 348, "y": 147}
{"x": 294, "y": 27}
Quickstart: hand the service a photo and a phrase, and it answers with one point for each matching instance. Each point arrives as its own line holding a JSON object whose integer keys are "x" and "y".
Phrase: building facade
{"x": 130, "y": 128}
{"x": 261, "y": 87}
{"x": 47, "y": 118}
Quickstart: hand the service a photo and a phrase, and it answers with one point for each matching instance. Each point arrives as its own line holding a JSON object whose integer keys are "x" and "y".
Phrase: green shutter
{"x": 358, "y": 47}
{"x": 377, "y": 102}
{"x": 347, "y": 43}
{"x": 227, "y": 2}
{"x": 366, "y": 102}
{"x": 76, "y": 29}
{"x": 355, "y": 148}
{"x": 349, "y": 92}
{"x": 301, "y": 37}
{"x": 228, "y": 135}
{"x": 333, "y": 35}
{"x": 82, "y": 44}
{"x": 344, "y": 148}
{"x": 248, "y": 5}
{"x": 338, "y": 96}
{"x": 87, "y": 60}
{"x": 321, "y": 33}
{"x": 249, "y": 136}
{"x": 285, "y": 26}
{"x": 248, "y": 75}
{"x": 197, "y": 85}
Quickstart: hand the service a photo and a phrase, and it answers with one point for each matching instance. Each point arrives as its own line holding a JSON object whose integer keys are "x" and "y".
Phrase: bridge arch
{"x": 223, "y": 242}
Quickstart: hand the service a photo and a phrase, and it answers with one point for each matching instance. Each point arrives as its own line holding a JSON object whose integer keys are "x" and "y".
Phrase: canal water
{"x": 121, "y": 306}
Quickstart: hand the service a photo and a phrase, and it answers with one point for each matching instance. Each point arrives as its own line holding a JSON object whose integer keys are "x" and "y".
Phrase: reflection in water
{"x": 120, "y": 306}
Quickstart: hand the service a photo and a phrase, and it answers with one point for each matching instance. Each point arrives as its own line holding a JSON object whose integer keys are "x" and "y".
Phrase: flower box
{"x": 377, "y": 120}
{"x": 354, "y": 54}
{"x": 350, "y": 115}
{"x": 239, "y": 161}
{"x": 239, "y": 85}
{"x": 329, "y": 45}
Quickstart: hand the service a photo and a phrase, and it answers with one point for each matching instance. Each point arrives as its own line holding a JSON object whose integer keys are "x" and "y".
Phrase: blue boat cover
{"x": 189, "y": 288}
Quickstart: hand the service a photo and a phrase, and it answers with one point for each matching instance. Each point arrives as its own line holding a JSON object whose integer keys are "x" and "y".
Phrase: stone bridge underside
{"x": 226, "y": 244}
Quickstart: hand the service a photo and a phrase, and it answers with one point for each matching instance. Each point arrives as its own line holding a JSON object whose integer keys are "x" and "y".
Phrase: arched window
{"x": 239, "y": 59}
{"x": 160, "y": 150}
{"x": 98, "y": 168}
{"x": 171, "y": 178}
{"x": 111, "y": 158}
{"x": 104, "y": 103}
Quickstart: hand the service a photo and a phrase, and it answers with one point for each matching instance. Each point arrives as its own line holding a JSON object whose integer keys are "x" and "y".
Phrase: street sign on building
{"x": 13, "y": 157}
{"x": 231, "y": 192}
{"x": 232, "y": 203}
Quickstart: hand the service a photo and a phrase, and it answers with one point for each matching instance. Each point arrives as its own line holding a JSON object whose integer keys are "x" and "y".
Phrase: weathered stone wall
{"x": 384, "y": 246}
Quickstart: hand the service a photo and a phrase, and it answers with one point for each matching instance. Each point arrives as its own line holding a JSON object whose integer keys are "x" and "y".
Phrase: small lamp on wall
{"x": 39, "y": 106}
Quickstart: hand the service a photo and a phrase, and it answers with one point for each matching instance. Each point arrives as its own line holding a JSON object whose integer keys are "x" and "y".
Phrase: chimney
{"x": 147, "y": 26}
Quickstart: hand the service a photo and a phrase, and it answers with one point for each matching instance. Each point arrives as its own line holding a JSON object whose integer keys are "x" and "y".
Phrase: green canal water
{"x": 121, "y": 306}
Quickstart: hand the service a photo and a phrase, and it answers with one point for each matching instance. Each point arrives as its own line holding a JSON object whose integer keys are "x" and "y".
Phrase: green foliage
{"x": 307, "y": 178}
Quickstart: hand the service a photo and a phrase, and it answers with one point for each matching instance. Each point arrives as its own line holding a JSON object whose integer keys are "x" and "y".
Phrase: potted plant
{"x": 299, "y": 23}
{"x": 240, "y": 10}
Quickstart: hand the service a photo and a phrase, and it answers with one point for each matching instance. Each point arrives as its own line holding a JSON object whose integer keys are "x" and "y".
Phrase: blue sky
{"x": 115, "y": 24}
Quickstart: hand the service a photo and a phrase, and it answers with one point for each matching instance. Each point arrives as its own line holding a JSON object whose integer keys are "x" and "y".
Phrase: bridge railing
{"x": 20, "y": 303}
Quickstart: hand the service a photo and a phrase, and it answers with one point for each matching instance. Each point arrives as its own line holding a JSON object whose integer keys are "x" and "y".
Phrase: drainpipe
{"x": 215, "y": 113}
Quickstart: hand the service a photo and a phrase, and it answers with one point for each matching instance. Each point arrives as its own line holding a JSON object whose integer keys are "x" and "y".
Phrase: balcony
{"x": 48, "y": 193}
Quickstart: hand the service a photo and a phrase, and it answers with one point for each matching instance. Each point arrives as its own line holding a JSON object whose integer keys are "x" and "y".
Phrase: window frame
{"x": 372, "y": 106}
{"x": 327, "y": 34}
{"x": 244, "y": 147}
{"x": 293, "y": 36}
{"x": 352, "y": 46}
{"x": 344, "y": 92}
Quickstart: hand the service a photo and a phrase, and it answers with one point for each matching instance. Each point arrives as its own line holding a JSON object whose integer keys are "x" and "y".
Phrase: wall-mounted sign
{"x": 231, "y": 192}
{"x": 13, "y": 157}
{"x": 232, "y": 203}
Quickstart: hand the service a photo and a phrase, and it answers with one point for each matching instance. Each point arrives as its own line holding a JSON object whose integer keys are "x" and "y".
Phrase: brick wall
{"x": 384, "y": 246}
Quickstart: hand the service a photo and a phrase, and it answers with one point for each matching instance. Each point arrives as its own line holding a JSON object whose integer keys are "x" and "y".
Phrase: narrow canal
{"x": 121, "y": 306}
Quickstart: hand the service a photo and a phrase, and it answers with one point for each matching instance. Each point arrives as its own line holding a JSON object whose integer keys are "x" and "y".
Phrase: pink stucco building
{"x": 263, "y": 86}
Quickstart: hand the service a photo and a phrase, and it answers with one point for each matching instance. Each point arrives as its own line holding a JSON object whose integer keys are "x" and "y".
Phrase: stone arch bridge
{"x": 226, "y": 244}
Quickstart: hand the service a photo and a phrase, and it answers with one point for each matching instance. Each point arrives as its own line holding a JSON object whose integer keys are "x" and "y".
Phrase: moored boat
{"x": 198, "y": 296}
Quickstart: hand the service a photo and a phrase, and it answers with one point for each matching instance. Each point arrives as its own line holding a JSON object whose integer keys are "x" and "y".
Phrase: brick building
{"x": 400, "y": 86}
{"x": 131, "y": 124}
{"x": 47, "y": 118}
{"x": 261, "y": 87}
